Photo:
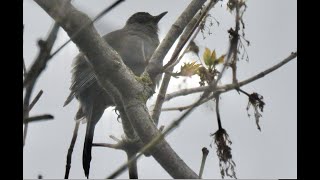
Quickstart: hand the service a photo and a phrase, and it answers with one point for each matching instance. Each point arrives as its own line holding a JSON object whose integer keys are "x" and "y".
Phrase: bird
{"x": 135, "y": 43}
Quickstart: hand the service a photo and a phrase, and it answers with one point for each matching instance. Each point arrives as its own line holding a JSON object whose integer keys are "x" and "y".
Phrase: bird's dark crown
{"x": 142, "y": 18}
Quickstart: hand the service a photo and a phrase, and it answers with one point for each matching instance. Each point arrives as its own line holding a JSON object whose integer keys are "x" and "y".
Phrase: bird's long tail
{"x": 86, "y": 156}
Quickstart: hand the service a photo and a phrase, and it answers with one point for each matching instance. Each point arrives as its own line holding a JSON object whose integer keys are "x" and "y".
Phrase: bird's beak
{"x": 157, "y": 18}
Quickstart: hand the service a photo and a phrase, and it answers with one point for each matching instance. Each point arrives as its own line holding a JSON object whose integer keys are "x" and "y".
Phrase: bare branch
{"x": 38, "y": 118}
{"x": 182, "y": 108}
{"x": 25, "y": 132}
{"x": 232, "y": 86}
{"x": 114, "y": 138}
{"x": 184, "y": 38}
{"x": 43, "y": 57}
{"x": 217, "y": 97}
{"x": 24, "y": 65}
{"x": 24, "y": 69}
{"x": 205, "y": 153}
{"x": 70, "y": 150}
{"x": 185, "y": 92}
{"x": 35, "y": 100}
{"x": 271, "y": 69}
{"x": 107, "y": 145}
{"x": 176, "y": 29}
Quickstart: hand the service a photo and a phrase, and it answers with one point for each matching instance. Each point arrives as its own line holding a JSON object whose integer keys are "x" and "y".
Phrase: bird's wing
{"x": 135, "y": 48}
{"x": 82, "y": 77}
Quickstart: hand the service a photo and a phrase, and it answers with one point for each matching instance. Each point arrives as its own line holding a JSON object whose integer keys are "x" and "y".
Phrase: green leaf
{"x": 213, "y": 55}
{"x": 207, "y": 57}
{"x": 189, "y": 69}
{"x": 220, "y": 60}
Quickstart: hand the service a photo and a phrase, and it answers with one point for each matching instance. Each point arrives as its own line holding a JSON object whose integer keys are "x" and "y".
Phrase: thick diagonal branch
{"x": 109, "y": 68}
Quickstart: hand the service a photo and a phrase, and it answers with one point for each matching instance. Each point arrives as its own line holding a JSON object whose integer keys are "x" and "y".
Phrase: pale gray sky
{"x": 271, "y": 27}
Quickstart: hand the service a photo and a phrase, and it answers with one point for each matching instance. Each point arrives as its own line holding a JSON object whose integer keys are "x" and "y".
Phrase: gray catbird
{"x": 135, "y": 43}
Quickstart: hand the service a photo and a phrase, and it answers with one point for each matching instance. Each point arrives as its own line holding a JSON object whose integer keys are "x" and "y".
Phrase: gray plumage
{"x": 135, "y": 43}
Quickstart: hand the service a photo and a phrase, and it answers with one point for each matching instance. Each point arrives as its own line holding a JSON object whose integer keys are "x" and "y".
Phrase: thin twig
{"x": 24, "y": 68}
{"x": 70, "y": 150}
{"x": 25, "y": 131}
{"x": 115, "y": 138}
{"x": 43, "y": 57}
{"x": 38, "y": 118}
{"x": 26, "y": 109}
{"x": 218, "y": 111}
{"x": 35, "y": 100}
{"x": 107, "y": 145}
{"x": 184, "y": 92}
{"x": 247, "y": 94}
{"x": 182, "y": 108}
{"x": 231, "y": 86}
{"x": 205, "y": 153}
{"x": 24, "y": 64}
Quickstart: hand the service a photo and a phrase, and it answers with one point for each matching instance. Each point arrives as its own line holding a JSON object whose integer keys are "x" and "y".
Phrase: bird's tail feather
{"x": 86, "y": 156}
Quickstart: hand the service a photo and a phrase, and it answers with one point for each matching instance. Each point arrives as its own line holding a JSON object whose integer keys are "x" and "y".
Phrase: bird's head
{"x": 145, "y": 19}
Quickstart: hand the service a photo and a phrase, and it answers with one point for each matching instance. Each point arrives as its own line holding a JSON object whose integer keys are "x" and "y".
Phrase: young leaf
{"x": 207, "y": 57}
{"x": 221, "y": 59}
{"x": 189, "y": 69}
{"x": 213, "y": 56}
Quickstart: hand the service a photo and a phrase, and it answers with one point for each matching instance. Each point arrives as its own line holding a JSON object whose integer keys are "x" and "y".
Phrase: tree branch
{"x": 234, "y": 43}
{"x": 38, "y": 118}
{"x": 107, "y": 145}
{"x": 205, "y": 153}
{"x": 176, "y": 29}
{"x": 232, "y": 86}
{"x": 190, "y": 28}
{"x": 70, "y": 150}
{"x": 40, "y": 63}
{"x": 35, "y": 100}
{"x": 182, "y": 108}
{"x": 109, "y": 68}
{"x": 217, "y": 97}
